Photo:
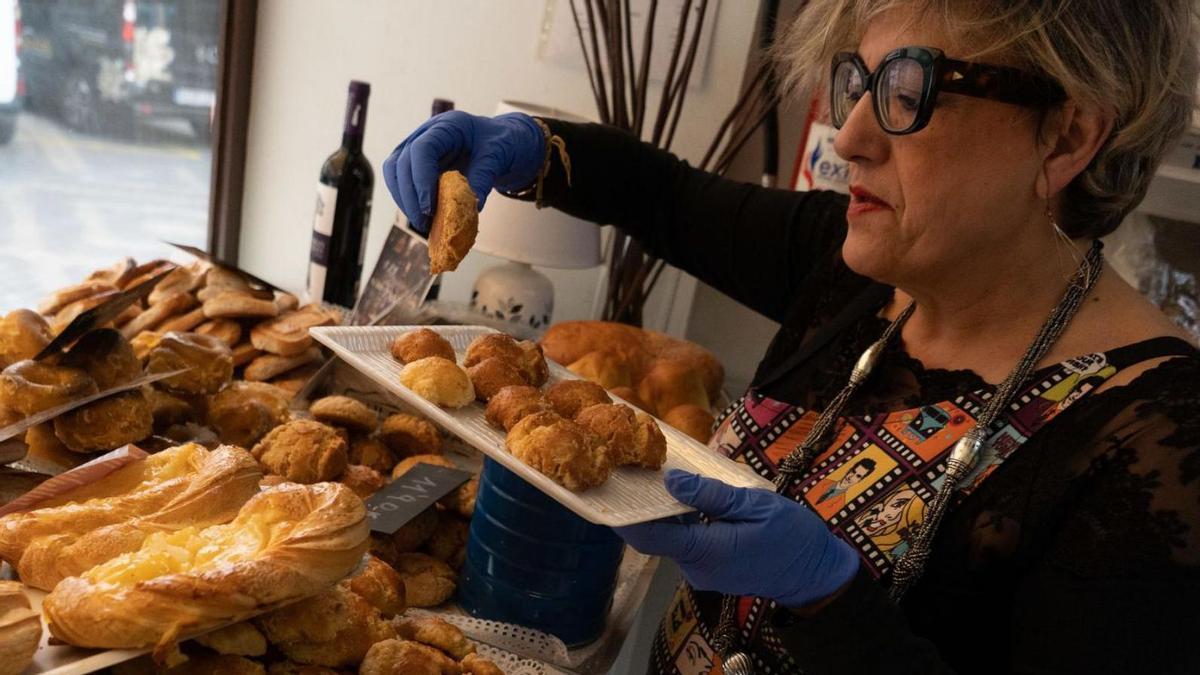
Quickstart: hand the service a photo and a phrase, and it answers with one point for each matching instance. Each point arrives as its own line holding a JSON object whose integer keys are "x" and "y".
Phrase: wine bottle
{"x": 343, "y": 210}
{"x": 440, "y": 105}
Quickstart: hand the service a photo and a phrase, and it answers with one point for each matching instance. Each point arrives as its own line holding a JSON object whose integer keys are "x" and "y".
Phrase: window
{"x": 109, "y": 153}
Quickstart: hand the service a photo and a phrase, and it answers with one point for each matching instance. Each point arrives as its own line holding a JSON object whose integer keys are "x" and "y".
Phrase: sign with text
{"x": 406, "y": 497}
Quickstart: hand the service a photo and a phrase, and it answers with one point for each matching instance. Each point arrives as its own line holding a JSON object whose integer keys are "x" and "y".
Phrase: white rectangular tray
{"x": 630, "y": 495}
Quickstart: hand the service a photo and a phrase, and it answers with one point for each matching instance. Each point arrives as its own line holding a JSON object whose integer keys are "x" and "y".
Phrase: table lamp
{"x": 526, "y": 236}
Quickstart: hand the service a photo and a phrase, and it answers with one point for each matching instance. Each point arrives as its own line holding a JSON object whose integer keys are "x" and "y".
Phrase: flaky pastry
{"x": 614, "y": 425}
{"x": 417, "y": 344}
{"x": 20, "y": 629}
{"x": 408, "y": 435}
{"x": 455, "y": 223}
{"x": 176, "y": 488}
{"x": 304, "y": 451}
{"x": 435, "y": 632}
{"x": 364, "y": 480}
{"x": 561, "y": 450}
{"x": 287, "y": 542}
{"x": 243, "y": 412}
{"x": 334, "y": 628}
{"x": 208, "y": 362}
{"x": 106, "y": 424}
{"x": 438, "y": 381}
{"x": 650, "y": 446}
{"x": 379, "y": 585}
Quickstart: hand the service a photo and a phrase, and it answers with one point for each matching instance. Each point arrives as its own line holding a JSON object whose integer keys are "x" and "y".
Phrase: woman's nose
{"x": 861, "y": 139}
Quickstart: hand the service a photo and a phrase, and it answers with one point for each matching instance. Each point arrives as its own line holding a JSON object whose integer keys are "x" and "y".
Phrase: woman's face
{"x": 952, "y": 196}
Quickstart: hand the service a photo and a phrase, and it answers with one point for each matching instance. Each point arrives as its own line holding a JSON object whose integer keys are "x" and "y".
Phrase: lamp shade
{"x": 519, "y": 231}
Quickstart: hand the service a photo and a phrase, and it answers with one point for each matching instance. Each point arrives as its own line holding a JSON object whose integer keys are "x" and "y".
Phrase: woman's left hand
{"x": 758, "y": 543}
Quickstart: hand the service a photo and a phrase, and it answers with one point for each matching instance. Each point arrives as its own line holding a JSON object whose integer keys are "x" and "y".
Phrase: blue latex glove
{"x": 504, "y": 152}
{"x": 759, "y": 543}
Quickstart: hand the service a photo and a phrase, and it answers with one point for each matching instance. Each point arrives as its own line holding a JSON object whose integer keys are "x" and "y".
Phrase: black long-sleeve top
{"x": 1081, "y": 553}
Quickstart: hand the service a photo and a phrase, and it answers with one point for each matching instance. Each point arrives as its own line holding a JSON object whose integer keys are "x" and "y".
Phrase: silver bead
{"x": 966, "y": 453}
{"x": 737, "y": 663}
{"x": 866, "y": 362}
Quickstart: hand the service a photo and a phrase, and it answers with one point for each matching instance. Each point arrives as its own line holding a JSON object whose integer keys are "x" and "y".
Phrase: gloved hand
{"x": 758, "y": 543}
{"x": 504, "y": 152}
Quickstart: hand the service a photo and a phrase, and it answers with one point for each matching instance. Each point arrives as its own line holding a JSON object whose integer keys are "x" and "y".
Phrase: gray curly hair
{"x": 1138, "y": 59}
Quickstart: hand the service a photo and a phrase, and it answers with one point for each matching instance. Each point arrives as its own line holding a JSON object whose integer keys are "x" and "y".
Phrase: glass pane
{"x": 105, "y": 146}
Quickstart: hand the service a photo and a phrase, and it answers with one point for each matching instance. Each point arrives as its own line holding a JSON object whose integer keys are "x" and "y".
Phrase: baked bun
{"x": 345, "y": 412}
{"x": 428, "y": 582}
{"x": 438, "y": 381}
{"x": 304, "y": 451}
{"x": 405, "y": 657}
{"x": 20, "y": 629}
{"x": 569, "y": 341}
{"x": 29, "y": 387}
{"x": 334, "y": 628}
{"x": 512, "y": 404}
{"x": 692, "y": 357}
{"x": 364, "y": 480}
{"x": 421, "y": 343}
{"x": 692, "y": 420}
{"x": 492, "y": 374}
{"x": 669, "y": 384}
{"x": 561, "y": 450}
{"x": 492, "y": 345}
{"x": 435, "y": 632}
{"x": 287, "y": 542}
{"x": 455, "y": 223}
{"x": 23, "y": 334}
{"x": 607, "y": 370}
{"x": 288, "y": 335}
{"x": 184, "y": 486}
{"x": 208, "y": 361}
{"x": 408, "y": 435}
{"x": 106, "y": 356}
{"x": 650, "y": 445}
{"x": 569, "y": 397}
{"x": 449, "y": 540}
{"x": 380, "y": 585}
{"x": 370, "y": 451}
{"x": 630, "y": 396}
{"x": 106, "y": 424}
{"x": 243, "y": 412}
{"x": 614, "y": 425}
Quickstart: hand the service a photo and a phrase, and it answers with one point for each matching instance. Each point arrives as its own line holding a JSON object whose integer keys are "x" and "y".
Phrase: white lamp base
{"x": 516, "y": 293}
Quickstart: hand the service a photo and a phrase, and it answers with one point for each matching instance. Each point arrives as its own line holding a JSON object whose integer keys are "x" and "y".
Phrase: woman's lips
{"x": 863, "y": 201}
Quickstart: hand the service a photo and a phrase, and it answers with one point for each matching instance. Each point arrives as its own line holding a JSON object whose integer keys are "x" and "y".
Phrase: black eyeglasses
{"x": 905, "y": 86}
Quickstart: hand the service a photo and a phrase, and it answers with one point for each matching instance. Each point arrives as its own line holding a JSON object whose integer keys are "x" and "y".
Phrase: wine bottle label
{"x": 322, "y": 230}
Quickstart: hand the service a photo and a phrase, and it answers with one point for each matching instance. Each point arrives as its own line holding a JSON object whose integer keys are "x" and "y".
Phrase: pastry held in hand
{"x": 183, "y": 486}
{"x": 287, "y": 542}
{"x": 455, "y": 223}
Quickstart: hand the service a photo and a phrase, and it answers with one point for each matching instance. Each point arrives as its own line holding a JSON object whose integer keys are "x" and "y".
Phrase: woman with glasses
{"x": 985, "y": 444}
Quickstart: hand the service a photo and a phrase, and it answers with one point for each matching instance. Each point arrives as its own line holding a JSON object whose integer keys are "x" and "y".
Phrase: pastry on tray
{"x": 421, "y": 343}
{"x": 185, "y": 486}
{"x": 512, "y": 404}
{"x": 561, "y": 449}
{"x": 438, "y": 381}
{"x": 286, "y": 543}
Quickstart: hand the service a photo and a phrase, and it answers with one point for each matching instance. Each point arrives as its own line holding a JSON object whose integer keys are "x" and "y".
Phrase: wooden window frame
{"x": 231, "y": 120}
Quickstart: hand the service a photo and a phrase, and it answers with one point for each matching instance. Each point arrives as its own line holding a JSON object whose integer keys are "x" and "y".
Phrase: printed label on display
{"x": 322, "y": 230}
{"x": 822, "y": 168}
{"x": 406, "y": 497}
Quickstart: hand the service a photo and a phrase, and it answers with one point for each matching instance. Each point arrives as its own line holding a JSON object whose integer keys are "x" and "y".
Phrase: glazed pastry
{"x": 106, "y": 424}
{"x": 20, "y": 629}
{"x": 106, "y": 356}
{"x": 650, "y": 446}
{"x": 614, "y": 425}
{"x": 405, "y": 657}
{"x": 304, "y": 451}
{"x": 428, "y": 582}
{"x": 371, "y": 452}
{"x": 240, "y": 639}
{"x": 225, "y": 330}
{"x": 691, "y": 420}
{"x": 449, "y": 540}
{"x": 569, "y": 397}
{"x": 29, "y": 387}
{"x": 287, "y": 335}
{"x": 415, "y": 533}
{"x": 408, "y": 435}
{"x": 435, "y": 632}
{"x": 475, "y": 664}
{"x": 334, "y": 628}
{"x": 364, "y": 480}
{"x": 269, "y": 366}
{"x": 23, "y": 334}
{"x": 512, "y": 404}
{"x": 173, "y": 305}
{"x": 243, "y": 412}
{"x": 286, "y": 543}
{"x": 208, "y": 362}
{"x": 455, "y": 223}
{"x": 438, "y": 381}
{"x": 492, "y": 374}
{"x": 561, "y": 450}
{"x": 421, "y": 343}
{"x": 343, "y": 411}
{"x": 380, "y": 585}
{"x": 239, "y": 305}
{"x": 185, "y": 486}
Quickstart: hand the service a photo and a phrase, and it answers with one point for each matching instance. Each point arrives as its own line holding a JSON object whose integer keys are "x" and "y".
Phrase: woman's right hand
{"x": 504, "y": 152}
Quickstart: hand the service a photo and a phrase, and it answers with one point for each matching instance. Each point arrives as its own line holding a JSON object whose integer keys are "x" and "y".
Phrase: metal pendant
{"x": 737, "y": 663}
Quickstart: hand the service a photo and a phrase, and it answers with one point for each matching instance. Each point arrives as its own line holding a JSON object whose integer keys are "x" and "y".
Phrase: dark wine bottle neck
{"x": 356, "y": 116}
{"x": 352, "y": 142}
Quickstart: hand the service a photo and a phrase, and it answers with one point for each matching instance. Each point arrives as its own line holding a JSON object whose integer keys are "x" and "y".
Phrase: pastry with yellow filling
{"x": 287, "y": 542}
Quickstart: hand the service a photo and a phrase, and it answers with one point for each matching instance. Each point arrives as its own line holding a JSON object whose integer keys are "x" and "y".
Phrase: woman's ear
{"x": 1076, "y": 133}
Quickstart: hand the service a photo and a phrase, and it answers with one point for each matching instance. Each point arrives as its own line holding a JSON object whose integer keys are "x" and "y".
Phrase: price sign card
{"x": 406, "y": 497}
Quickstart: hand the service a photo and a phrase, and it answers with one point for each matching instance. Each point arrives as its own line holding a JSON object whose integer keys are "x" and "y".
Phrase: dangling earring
{"x": 1062, "y": 237}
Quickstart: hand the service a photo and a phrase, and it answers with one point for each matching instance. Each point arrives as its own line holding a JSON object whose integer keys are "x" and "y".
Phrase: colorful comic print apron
{"x": 871, "y": 486}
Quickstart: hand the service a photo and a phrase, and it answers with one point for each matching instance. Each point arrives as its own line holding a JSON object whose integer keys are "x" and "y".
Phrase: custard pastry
{"x": 287, "y": 542}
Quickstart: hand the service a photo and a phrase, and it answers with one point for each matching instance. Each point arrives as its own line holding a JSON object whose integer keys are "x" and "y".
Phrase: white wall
{"x": 474, "y": 52}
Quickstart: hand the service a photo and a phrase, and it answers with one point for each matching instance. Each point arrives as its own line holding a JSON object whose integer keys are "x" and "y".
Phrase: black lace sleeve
{"x": 1104, "y": 575}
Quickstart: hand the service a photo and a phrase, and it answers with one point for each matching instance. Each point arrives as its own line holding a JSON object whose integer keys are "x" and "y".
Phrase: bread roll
{"x": 455, "y": 223}
{"x": 345, "y": 412}
{"x": 177, "y": 488}
{"x": 334, "y": 628}
{"x": 421, "y": 343}
{"x": 669, "y": 384}
{"x": 287, "y": 542}
{"x": 438, "y": 381}
{"x": 304, "y": 451}
{"x": 607, "y": 370}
